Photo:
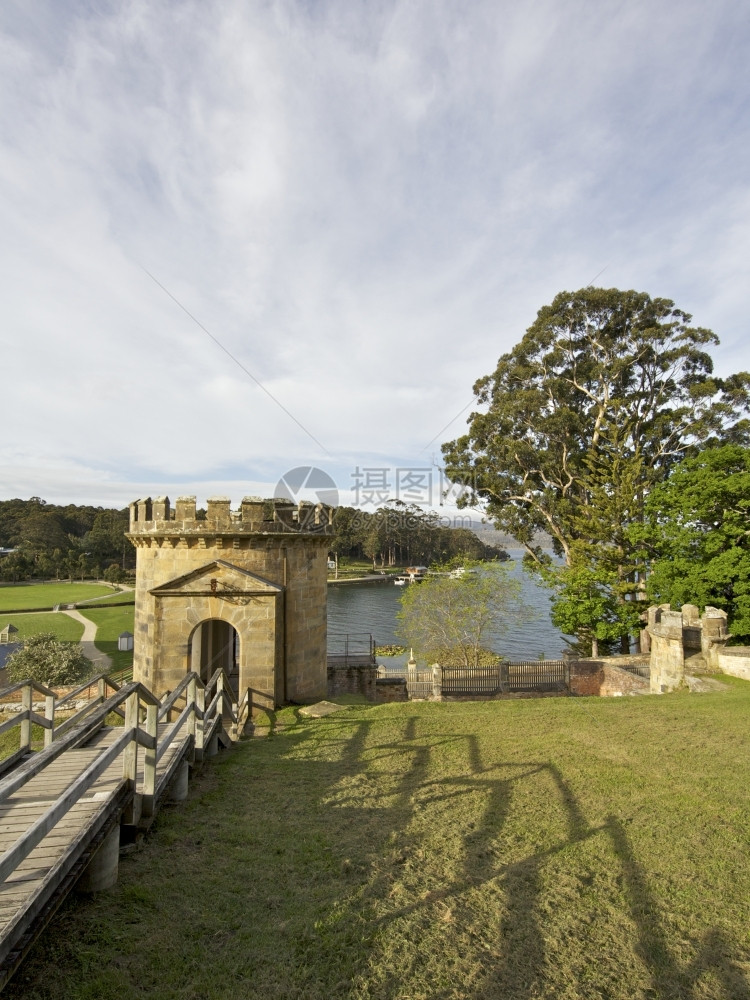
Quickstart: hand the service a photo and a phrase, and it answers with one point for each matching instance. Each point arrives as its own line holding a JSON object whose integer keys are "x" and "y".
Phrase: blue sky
{"x": 365, "y": 203}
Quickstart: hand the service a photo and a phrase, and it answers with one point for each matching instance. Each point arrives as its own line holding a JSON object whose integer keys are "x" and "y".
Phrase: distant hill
{"x": 490, "y": 536}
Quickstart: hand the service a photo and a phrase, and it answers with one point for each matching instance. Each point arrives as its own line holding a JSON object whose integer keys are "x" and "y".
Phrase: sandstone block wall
{"x": 260, "y": 569}
{"x": 735, "y": 661}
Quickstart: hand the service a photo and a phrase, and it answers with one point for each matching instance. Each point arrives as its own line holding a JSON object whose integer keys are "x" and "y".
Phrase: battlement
{"x": 254, "y": 515}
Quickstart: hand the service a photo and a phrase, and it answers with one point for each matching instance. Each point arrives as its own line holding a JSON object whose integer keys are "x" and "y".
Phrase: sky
{"x": 243, "y": 238}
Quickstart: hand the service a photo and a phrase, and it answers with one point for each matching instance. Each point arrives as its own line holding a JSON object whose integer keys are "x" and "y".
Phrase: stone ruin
{"x": 677, "y": 636}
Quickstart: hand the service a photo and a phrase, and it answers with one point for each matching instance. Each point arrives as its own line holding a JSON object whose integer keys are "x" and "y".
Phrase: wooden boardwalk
{"x": 60, "y": 805}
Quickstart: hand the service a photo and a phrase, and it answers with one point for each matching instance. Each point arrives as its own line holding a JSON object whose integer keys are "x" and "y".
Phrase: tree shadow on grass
{"x": 321, "y": 875}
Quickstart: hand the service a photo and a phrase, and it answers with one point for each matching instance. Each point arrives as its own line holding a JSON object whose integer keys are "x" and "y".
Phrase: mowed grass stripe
{"x": 47, "y": 595}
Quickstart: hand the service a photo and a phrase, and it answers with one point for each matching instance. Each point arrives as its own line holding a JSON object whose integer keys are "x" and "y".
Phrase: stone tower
{"x": 244, "y": 590}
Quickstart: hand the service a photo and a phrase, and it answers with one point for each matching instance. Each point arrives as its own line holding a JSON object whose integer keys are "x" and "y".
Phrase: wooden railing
{"x": 184, "y": 710}
{"x": 135, "y": 697}
{"x": 53, "y": 705}
{"x": 27, "y": 716}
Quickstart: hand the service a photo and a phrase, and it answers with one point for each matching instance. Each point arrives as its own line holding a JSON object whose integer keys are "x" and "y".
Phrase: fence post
{"x": 149, "y": 762}
{"x": 437, "y": 682}
{"x": 49, "y": 714}
{"x": 27, "y": 694}
{"x": 411, "y": 675}
{"x": 505, "y": 672}
{"x": 101, "y": 689}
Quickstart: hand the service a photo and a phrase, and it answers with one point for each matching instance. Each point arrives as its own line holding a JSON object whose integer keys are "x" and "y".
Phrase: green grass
{"x": 46, "y": 595}
{"x": 110, "y": 622}
{"x": 360, "y": 567}
{"x": 60, "y": 624}
{"x": 557, "y": 848}
{"x": 122, "y": 597}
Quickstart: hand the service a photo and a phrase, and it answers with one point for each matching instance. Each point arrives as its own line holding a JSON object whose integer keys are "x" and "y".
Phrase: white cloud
{"x": 366, "y": 204}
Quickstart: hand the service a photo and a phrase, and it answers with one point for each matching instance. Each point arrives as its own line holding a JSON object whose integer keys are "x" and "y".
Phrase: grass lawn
{"x": 110, "y": 622}
{"x": 46, "y": 595}
{"x": 557, "y": 848}
{"x": 60, "y": 624}
{"x": 360, "y": 567}
{"x": 121, "y": 597}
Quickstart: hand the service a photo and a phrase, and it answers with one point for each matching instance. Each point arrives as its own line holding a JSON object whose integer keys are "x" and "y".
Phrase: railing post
{"x": 200, "y": 703}
{"x": 49, "y": 714}
{"x": 191, "y": 699}
{"x": 27, "y": 694}
{"x": 220, "y": 692}
{"x": 130, "y": 754}
{"x": 101, "y": 689}
{"x": 132, "y": 814}
{"x": 149, "y": 762}
{"x": 235, "y": 728}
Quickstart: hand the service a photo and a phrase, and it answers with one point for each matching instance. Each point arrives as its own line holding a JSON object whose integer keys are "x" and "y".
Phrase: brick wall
{"x": 351, "y": 680}
{"x": 389, "y": 689}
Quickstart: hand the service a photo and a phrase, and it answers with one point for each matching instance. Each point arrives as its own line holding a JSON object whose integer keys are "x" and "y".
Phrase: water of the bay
{"x": 372, "y": 607}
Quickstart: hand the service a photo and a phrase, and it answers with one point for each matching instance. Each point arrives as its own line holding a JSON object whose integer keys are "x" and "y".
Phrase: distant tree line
{"x": 51, "y": 541}
{"x": 404, "y": 535}
{"x": 70, "y": 542}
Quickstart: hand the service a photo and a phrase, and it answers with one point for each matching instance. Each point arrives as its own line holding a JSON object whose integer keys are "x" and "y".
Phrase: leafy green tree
{"x": 604, "y": 394}
{"x": 114, "y": 574}
{"x": 450, "y": 618}
{"x": 587, "y": 605}
{"x": 15, "y": 567}
{"x": 46, "y": 659}
{"x": 697, "y": 535}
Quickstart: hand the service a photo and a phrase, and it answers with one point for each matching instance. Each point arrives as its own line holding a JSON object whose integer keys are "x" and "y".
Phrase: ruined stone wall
{"x": 262, "y": 569}
{"x": 667, "y": 653}
{"x": 735, "y": 661}
{"x": 616, "y": 681}
{"x": 673, "y": 633}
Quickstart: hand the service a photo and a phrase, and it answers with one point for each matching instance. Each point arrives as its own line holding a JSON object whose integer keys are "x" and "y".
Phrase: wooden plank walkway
{"x": 34, "y": 890}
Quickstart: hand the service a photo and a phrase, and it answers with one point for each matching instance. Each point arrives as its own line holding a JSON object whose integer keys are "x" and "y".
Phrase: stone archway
{"x": 214, "y": 644}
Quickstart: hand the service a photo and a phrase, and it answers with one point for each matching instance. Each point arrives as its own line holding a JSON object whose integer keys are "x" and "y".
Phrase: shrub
{"x": 46, "y": 659}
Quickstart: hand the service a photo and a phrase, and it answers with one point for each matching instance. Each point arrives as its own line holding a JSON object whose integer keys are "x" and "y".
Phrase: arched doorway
{"x": 215, "y": 644}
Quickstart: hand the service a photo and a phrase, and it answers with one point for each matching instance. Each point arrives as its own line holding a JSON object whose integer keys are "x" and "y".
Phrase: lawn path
{"x": 100, "y": 660}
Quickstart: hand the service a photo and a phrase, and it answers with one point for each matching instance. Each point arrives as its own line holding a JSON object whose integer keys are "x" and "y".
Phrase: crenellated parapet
{"x": 675, "y": 633}
{"x": 157, "y": 517}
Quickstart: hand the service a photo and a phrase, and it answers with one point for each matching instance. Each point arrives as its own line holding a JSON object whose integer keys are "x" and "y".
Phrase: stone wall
{"x": 351, "y": 680}
{"x": 389, "y": 689}
{"x": 606, "y": 676}
{"x": 261, "y": 570}
{"x": 667, "y": 652}
{"x": 616, "y": 681}
{"x": 585, "y": 677}
{"x": 675, "y": 632}
{"x": 735, "y": 661}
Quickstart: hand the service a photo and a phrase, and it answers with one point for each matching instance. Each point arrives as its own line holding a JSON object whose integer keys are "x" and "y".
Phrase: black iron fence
{"x": 356, "y": 648}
